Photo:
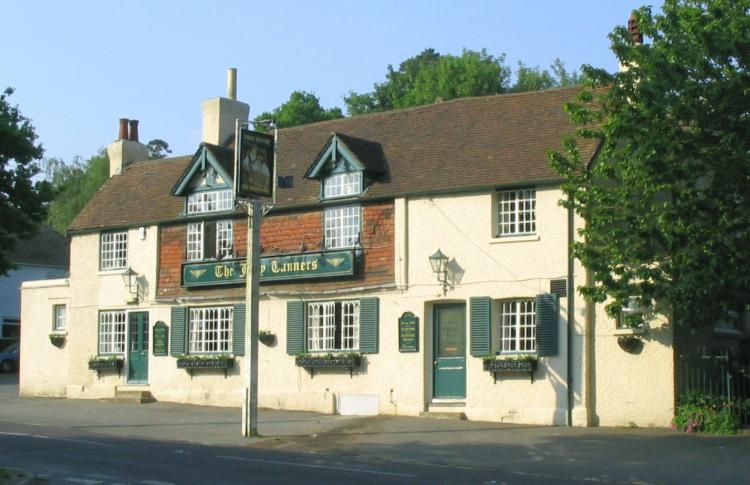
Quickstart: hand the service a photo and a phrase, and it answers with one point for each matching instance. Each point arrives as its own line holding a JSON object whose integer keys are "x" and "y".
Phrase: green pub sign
{"x": 408, "y": 333}
{"x": 327, "y": 264}
{"x": 160, "y": 338}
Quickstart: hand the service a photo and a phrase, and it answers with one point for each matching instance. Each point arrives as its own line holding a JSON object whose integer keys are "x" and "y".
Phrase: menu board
{"x": 160, "y": 339}
{"x": 408, "y": 333}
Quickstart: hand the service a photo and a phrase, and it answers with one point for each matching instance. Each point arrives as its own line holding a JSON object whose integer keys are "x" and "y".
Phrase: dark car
{"x": 9, "y": 359}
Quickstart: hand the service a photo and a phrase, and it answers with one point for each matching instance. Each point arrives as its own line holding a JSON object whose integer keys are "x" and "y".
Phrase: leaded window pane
{"x": 516, "y": 212}
{"x": 342, "y": 226}
{"x": 517, "y": 326}
{"x": 112, "y": 332}
{"x": 114, "y": 250}
{"x": 210, "y": 329}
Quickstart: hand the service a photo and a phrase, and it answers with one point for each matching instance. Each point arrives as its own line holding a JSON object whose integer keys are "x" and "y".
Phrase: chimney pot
{"x": 123, "y": 135}
{"x": 635, "y": 33}
{"x": 232, "y": 83}
{"x": 133, "y": 130}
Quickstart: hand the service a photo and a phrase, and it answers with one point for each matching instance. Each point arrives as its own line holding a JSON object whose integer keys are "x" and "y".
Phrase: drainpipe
{"x": 571, "y": 293}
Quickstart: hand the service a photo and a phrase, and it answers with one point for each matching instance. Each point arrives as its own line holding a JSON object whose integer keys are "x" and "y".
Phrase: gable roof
{"x": 220, "y": 158}
{"x": 455, "y": 146}
{"x": 366, "y": 155}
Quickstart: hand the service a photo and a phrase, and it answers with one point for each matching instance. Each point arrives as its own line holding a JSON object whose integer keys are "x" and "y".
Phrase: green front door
{"x": 449, "y": 363}
{"x": 138, "y": 356}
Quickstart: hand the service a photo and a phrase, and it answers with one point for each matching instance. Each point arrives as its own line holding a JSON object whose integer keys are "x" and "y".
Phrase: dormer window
{"x": 342, "y": 185}
{"x": 210, "y": 201}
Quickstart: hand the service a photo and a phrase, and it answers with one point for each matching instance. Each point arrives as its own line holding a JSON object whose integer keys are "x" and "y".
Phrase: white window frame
{"x": 209, "y": 201}
{"x": 224, "y": 239}
{"x": 516, "y": 325}
{"x": 515, "y": 212}
{"x": 341, "y": 226}
{"x": 342, "y": 185}
{"x": 112, "y": 332}
{"x": 113, "y": 250}
{"x": 210, "y": 330}
{"x": 195, "y": 241}
{"x": 333, "y": 326}
{"x": 60, "y": 317}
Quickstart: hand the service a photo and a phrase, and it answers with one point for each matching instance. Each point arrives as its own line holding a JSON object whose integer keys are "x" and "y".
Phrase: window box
{"x": 192, "y": 362}
{"x": 102, "y": 363}
{"x": 500, "y": 366}
{"x": 329, "y": 361}
{"x": 204, "y": 362}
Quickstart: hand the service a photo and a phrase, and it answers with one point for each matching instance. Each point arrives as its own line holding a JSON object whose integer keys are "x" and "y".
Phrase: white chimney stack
{"x": 219, "y": 114}
{"x": 126, "y": 149}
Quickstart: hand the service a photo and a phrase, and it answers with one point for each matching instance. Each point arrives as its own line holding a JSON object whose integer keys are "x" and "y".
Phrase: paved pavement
{"x": 609, "y": 455}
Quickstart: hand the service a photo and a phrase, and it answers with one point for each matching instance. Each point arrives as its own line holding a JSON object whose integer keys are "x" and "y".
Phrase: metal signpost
{"x": 254, "y": 177}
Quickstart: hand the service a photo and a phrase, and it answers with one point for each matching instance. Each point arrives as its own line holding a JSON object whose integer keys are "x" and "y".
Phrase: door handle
{"x": 434, "y": 362}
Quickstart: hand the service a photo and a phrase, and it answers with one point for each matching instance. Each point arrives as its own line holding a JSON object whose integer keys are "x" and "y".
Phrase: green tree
{"x": 666, "y": 202}
{"x": 535, "y": 79}
{"x": 22, "y": 201}
{"x": 158, "y": 149}
{"x": 429, "y": 77}
{"x": 73, "y": 184}
{"x": 302, "y": 108}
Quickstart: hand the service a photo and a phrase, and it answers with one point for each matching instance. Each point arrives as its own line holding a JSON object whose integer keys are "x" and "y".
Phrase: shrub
{"x": 701, "y": 412}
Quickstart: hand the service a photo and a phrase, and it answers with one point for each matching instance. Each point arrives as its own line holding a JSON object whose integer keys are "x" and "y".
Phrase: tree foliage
{"x": 73, "y": 185}
{"x": 666, "y": 202}
{"x": 429, "y": 77}
{"x": 535, "y": 79}
{"x": 158, "y": 149}
{"x": 22, "y": 201}
{"x": 302, "y": 108}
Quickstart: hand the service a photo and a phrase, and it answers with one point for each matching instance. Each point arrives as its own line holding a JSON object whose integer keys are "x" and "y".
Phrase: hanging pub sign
{"x": 253, "y": 165}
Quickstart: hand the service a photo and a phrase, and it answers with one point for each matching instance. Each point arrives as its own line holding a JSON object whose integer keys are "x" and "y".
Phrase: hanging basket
{"x": 630, "y": 344}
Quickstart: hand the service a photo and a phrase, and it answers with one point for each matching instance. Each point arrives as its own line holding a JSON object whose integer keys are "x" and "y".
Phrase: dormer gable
{"x": 210, "y": 169}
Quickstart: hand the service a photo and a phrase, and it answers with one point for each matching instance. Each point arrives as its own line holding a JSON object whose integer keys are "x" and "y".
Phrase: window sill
{"x": 629, "y": 331}
{"x": 513, "y": 239}
{"x": 110, "y": 272}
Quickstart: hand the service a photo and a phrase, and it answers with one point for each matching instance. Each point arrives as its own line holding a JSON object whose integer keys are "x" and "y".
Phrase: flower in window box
{"x": 345, "y": 360}
{"x": 218, "y": 361}
{"x": 106, "y": 362}
{"x": 522, "y": 363}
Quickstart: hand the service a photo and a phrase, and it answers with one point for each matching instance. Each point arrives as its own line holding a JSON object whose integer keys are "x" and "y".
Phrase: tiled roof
{"x": 45, "y": 248}
{"x": 459, "y": 145}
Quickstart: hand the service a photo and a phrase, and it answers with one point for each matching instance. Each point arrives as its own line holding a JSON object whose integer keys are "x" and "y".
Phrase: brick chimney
{"x": 126, "y": 149}
{"x": 219, "y": 114}
{"x": 636, "y": 36}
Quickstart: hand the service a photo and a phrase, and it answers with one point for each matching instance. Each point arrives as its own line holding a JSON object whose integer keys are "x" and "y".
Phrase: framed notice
{"x": 160, "y": 338}
{"x": 254, "y": 165}
{"x": 408, "y": 333}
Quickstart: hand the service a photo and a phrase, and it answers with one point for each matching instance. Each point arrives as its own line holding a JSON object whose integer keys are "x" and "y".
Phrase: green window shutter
{"x": 295, "y": 327}
{"x": 368, "y": 325}
{"x": 546, "y": 324}
{"x": 480, "y": 325}
{"x": 238, "y": 329}
{"x": 177, "y": 330}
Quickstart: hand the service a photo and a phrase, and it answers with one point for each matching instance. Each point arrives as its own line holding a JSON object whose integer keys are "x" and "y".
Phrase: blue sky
{"x": 77, "y": 66}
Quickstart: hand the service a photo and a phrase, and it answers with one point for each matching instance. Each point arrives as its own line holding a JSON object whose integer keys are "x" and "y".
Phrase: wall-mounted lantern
{"x": 439, "y": 263}
{"x": 130, "y": 280}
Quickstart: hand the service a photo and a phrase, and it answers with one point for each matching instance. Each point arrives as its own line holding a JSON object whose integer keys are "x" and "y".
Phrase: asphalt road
{"x": 95, "y": 442}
